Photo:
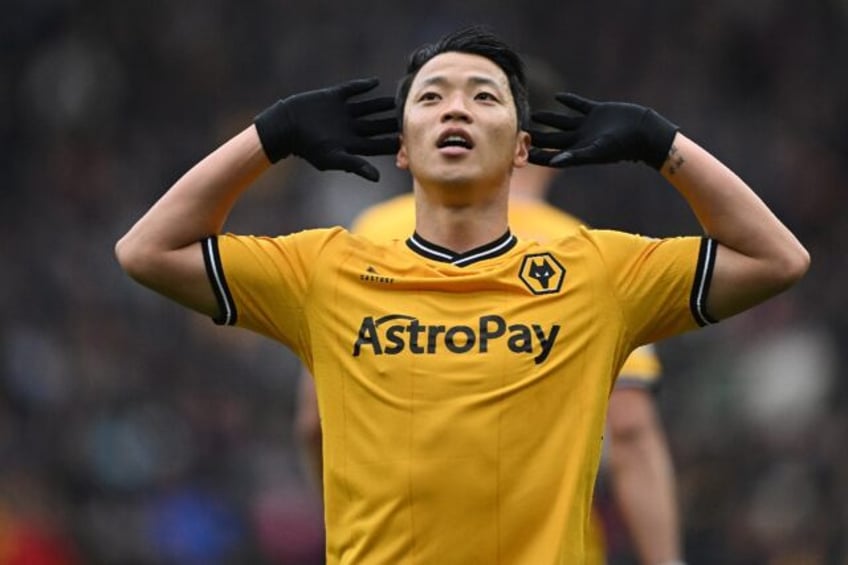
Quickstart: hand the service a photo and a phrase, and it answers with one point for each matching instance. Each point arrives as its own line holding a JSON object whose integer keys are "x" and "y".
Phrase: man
{"x": 640, "y": 470}
{"x": 462, "y": 376}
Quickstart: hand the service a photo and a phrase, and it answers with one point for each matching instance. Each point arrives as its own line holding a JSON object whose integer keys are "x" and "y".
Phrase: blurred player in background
{"x": 640, "y": 468}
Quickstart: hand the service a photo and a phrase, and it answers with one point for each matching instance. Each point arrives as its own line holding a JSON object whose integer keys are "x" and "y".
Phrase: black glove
{"x": 328, "y": 130}
{"x": 606, "y": 132}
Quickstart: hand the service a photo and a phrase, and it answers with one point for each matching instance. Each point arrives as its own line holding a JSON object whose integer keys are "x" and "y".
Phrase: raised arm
{"x": 757, "y": 256}
{"x": 163, "y": 250}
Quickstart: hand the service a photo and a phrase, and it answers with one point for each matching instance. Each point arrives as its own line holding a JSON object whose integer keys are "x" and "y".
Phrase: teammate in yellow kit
{"x": 462, "y": 375}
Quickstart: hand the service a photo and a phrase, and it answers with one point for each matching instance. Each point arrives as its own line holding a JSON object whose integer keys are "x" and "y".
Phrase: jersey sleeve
{"x": 661, "y": 284}
{"x": 262, "y": 283}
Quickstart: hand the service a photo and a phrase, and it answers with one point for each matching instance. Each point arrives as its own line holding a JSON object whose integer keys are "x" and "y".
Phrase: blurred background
{"x": 135, "y": 432}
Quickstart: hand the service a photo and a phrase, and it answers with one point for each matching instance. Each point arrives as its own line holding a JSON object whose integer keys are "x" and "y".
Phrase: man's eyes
{"x": 435, "y": 96}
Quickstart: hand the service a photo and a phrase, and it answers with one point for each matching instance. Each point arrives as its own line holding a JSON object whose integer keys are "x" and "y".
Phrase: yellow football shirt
{"x": 462, "y": 396}
{"x": 530, "y": 219}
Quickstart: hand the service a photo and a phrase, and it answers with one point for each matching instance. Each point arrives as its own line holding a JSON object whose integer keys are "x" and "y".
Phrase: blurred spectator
{"x": 33, "y": 527}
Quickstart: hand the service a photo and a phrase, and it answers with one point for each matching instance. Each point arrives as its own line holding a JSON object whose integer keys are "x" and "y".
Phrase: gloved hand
{"x": 606, "y": 132}
{"x": 328, "y": 130}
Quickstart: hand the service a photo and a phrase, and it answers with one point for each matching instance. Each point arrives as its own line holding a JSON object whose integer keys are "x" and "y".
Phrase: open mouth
{"x": 455, "y": 139}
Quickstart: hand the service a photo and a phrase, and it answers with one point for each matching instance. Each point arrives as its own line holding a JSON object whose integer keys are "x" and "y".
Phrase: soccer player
{"x": 641, "y": 471}
{"x": 462, "y": 375}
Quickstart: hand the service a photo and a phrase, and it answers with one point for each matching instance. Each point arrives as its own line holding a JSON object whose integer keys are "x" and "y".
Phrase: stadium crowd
{"x": 129, "y": 434}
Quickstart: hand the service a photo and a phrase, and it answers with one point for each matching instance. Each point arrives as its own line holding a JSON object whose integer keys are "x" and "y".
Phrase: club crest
{"x": 541, "y": 273}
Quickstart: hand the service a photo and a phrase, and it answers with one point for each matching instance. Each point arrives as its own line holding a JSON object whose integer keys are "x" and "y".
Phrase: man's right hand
{"x": 329, "y": 130}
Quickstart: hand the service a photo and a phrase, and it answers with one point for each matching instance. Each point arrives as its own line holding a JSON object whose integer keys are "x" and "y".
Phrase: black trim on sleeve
{"x": 227, "y": 314}
{"x": 701, "y": 285}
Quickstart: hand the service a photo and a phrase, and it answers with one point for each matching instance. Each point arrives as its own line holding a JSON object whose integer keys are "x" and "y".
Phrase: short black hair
{"x": 475, "y": 40}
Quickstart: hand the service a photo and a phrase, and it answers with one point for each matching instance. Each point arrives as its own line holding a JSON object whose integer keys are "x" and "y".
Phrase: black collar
{"x": 438, "y": 253}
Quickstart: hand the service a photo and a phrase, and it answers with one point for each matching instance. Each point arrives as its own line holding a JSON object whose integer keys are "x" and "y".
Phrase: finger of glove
{"x": 575, "y": 102}
{"x": 542, "y": 157}
{"x": 557, "y": 120}
{"x": 553, "y": 139}
{"x": 591, "y": 155}
{"x": 375, "y": 127}
{"x": 379, "y": 146}
{"x": 340, "y": 160}
{"x": 357, "y": 86}
{"x": 371, "y": 106}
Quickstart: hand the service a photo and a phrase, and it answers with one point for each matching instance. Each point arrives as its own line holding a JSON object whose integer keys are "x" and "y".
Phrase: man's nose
{"x": 456, "y": 109}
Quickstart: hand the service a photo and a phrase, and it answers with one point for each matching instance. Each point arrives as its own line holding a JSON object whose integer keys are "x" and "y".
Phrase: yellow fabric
{"x": 529, "y": 219}
{"x": 462, "y": 407}
{"x": 595, "y": 541}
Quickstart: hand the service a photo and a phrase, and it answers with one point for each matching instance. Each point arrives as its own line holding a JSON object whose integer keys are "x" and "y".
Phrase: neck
{"x": 459, "y": 224}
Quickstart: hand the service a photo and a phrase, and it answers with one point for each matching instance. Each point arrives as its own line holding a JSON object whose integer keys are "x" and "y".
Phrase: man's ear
{"x": 401, "y": 159}
{"x": 522, "y": 149}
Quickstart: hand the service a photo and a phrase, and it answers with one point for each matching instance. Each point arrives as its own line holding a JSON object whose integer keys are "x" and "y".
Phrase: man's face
{"x": 459, "y": 124}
